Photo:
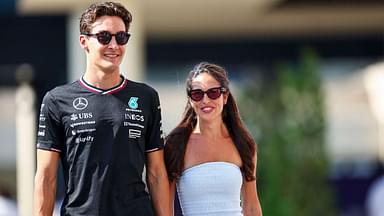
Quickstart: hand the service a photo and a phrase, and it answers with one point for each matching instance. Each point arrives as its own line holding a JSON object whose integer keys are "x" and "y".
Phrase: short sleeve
{"x": 50, "y": 129}
{"x": 155, "y": 139}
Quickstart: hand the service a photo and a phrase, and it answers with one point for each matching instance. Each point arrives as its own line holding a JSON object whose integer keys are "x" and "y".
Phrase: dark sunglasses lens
{"x": 104, "y": 37}
{"x": 122, "y": 38}
{"x": 214, "y": 93}
{"x": 196, "y": 95}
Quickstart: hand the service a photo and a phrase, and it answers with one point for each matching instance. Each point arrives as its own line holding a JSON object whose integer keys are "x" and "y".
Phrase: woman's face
{"x": 207, "y": 109}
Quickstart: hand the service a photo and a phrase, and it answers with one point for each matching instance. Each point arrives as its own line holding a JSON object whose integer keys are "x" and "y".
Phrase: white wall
{"x": 7, "y": 129}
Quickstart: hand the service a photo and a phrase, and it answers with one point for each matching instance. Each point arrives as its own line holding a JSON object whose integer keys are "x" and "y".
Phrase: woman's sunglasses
{"x": 212, "y": 93}
{"x": 105, "y": 37}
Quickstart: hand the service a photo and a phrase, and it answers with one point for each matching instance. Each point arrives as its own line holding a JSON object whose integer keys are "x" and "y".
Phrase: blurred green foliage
{"x": 286, "y": 118}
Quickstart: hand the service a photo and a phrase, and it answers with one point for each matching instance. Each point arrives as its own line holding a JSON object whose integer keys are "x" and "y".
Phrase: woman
{"x": 210, "y": 156}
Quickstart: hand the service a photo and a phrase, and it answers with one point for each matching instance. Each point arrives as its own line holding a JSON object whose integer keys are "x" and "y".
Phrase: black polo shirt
{"x": 102, "y": 137}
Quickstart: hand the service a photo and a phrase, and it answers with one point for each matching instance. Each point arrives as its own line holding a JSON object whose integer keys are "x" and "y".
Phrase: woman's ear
{"x": 190, "y": 101}
{"x": 225, "y": 95}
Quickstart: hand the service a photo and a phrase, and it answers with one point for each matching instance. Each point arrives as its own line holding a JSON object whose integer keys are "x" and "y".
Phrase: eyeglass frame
{"x": 97, "y": 35}
{"x": 222, "y": 91}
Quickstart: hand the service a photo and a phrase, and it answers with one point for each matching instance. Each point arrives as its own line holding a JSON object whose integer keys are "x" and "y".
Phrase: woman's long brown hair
{"x": 176, "y": 141}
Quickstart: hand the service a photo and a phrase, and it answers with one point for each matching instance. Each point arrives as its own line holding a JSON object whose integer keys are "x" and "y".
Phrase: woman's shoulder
{"x": 177, "y": 135}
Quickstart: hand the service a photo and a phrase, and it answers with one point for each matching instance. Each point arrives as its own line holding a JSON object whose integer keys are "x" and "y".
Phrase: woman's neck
{"x": 211, "y": 129}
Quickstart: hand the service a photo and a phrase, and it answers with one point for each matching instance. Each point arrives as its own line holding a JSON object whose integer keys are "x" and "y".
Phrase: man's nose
{"x": 113, "y": 43}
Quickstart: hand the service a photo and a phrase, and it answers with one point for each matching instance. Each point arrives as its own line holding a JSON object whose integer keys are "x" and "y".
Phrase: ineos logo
{"x": 80, "y": 103}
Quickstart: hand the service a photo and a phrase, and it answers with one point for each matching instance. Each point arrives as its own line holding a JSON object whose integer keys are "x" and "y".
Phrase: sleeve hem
{"x": 49, "y": 149}
{"x": 153, "y": 150}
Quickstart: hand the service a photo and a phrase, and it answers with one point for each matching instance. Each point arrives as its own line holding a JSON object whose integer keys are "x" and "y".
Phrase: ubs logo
{"x": 80, "y": 103}
{"x": 75, "y": 116}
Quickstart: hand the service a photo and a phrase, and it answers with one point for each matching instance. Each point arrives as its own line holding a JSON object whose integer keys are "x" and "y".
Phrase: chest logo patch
{"x": 132, "y": 103}
{"x": 80, "y": 103}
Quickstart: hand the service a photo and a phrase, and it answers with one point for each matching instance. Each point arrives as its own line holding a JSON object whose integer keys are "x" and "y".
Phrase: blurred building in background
{"x": 248, "y": 37}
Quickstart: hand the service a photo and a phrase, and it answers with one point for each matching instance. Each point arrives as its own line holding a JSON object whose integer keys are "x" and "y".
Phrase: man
{"x": 104, "y": 128}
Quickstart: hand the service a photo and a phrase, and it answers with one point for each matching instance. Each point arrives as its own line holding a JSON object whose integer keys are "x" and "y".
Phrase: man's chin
{"x": 110, "y": 68}
{"x": 107, "y": 65}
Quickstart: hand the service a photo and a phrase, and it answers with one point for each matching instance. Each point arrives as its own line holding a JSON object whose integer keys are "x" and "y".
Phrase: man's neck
{"x": 102, "y": 80}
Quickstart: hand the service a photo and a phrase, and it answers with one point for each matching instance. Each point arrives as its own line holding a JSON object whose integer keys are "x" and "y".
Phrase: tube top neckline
{"x": 209, "y": 164}
{"x": 210, "y": 188}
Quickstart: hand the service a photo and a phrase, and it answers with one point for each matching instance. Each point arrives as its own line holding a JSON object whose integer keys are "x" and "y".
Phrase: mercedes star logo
{"x": 80, "y": 103}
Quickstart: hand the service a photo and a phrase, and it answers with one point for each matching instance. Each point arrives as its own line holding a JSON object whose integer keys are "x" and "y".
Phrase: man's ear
{"x": 83, "y": 42}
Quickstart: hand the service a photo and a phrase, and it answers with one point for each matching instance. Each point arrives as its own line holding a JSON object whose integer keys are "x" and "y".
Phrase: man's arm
{"x": 158, "y": 183}
{"x": 45, "y": 182}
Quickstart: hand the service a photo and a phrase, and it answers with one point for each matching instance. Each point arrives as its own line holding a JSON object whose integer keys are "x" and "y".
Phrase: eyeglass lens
{"x": 212, "y": 93}
{"x": 105, "y": 37}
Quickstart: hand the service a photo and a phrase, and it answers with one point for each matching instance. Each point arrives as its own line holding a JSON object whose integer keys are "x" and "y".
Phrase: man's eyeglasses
{"x": 105, "y": 37}
{"x": 212, "y": 93}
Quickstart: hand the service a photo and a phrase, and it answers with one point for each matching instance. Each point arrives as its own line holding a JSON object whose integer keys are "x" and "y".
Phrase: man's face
{"x": 104, "y": 57}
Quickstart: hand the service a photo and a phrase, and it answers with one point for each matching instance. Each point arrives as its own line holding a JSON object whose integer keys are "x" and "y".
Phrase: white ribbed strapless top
{"x": 211, "y": 188}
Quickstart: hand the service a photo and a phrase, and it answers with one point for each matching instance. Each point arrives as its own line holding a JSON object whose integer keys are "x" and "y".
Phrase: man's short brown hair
{"x": 96, "y": 10}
